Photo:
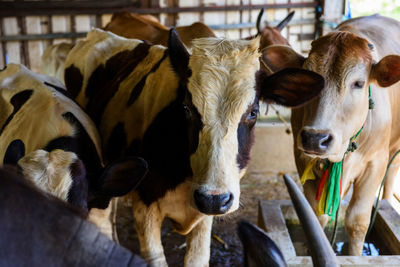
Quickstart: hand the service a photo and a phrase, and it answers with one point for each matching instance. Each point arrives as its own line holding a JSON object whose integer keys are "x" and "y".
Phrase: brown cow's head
{"x": 272, "y": 35}
{"x": 224, "y": 85}
{"x": 346, "y": 61}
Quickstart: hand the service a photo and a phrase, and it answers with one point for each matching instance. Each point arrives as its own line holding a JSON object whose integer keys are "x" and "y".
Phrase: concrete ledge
{"x": 272, "y": 150}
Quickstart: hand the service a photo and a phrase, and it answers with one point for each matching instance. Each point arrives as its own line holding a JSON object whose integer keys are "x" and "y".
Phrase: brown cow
{"x": 146, "y": 27}
{"x": 357, "y": 55}
{"x": 272, "y": 35}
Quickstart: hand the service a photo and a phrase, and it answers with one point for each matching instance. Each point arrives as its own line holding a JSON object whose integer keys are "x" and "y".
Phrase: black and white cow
{"x": 190, "y": 117}
{"x": 55, "y": 144}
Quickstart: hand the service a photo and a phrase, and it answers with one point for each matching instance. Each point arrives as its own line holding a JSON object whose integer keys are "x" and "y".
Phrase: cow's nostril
{"x": 211, "y": 203}
{"x": 315, "y": 142}
{"x": 326, "y": 140}
{"x": 226, "y": 200}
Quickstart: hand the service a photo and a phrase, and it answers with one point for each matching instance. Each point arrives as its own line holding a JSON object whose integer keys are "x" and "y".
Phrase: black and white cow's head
{"x": 223, "y": 85}
{"x": 55, "y": 144}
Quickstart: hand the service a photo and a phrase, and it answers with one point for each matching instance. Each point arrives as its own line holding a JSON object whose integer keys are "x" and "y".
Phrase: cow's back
{"x": 33, "y": 109}
{"x": 119, "y": 86}
{"x": 383, "y": 32}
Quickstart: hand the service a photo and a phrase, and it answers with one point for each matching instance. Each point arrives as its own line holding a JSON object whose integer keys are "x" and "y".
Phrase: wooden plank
{"x": 93, "y": 7}
{"x": 388, "y": 223}
{"x": 49, "y": 36}
{"x": 190, "y": 17}
{"x": 2, "y": 47}
{"x": 13, "y": 50}
{"x": 274, "y": 213}
{"x": 82, "y": 23}
{"x": 60, "y": 24}
{"x": 35, "y": 48}
{"x": 351, "y": 261}
{"x": 270, "y": 219}
{"x": 23, "y": 45}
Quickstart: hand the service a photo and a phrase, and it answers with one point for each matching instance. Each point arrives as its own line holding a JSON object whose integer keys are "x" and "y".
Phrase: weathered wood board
{"x": 274, "y": 214}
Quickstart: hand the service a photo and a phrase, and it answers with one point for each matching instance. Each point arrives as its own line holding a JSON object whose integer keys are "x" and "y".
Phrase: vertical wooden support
{"x": 13, "y": 48}
{"x": 23, "y": 44}
{"x": 171, "y": 19}
{"x": 3, "y": 50}
{"x": 35, "y": 48}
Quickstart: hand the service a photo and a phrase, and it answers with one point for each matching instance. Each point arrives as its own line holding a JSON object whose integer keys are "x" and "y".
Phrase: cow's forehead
{"x": 335, "y": 53}
{"x": 222, "y": 84}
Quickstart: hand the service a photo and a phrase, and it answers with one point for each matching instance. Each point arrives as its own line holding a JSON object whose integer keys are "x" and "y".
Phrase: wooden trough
{"x": 276, "y": 217}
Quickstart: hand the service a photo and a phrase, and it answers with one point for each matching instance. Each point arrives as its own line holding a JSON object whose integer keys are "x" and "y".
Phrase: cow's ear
{"x": 289, "y": 87}
{"x": 178, "y": 55}
{"x": 15, "y": 151}
{"x": 278, "y": 57}
{"x": 387, "y": 71}
{"x": 122, "y": 176}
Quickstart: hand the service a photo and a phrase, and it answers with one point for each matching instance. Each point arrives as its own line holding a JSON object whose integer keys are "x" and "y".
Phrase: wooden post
{"x": 13, "y": 48}
{"x": 35, "y": 48}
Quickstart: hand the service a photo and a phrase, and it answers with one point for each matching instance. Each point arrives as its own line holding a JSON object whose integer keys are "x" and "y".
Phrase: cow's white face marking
{"x": 222, "y": 88}
{"x": 49, "y": 171}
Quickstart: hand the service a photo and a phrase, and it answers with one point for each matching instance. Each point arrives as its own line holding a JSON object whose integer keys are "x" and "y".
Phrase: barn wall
{"x": 24, "y": 37}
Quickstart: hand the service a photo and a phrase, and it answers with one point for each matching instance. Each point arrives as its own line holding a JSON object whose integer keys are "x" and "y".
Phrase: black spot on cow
{"x": 105, "y": 80}
{"x": 58, "y": 89}
{"x": 167, "y": 145}
{"x": 140, "y": 85}
{"x": 78, "y": 192}
{"x": 81, "y": 144}
{"x": 73, "y": 81}
{"x": 15, "y": 151}
{"x": 117, "y": 142}
{"x": 17, "y": 100}
{"x": 245, "y": 134}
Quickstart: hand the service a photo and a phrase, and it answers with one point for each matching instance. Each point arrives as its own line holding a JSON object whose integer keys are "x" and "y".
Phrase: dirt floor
{"x": 254, "y": 187}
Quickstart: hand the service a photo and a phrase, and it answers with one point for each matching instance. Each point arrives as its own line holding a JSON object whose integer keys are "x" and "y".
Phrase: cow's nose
{"x": 314, "y": 142}
{"x": 211, "y": 203}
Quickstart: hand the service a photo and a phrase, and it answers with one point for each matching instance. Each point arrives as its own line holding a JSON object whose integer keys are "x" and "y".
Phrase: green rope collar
{"x": 334, "y": 187}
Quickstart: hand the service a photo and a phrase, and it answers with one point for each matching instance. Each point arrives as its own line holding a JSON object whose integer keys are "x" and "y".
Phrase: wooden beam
{"x": 60, "y": 35}
{"x": 24, "y": 8}
{"x": 387, "y": 225}
{"x": 271, "y": 220}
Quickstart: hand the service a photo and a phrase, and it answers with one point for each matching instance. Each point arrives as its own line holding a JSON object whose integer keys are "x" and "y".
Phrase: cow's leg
{"x": 198, "y": 244}
{"x": 148, "y": 220}
{"x": 359, "y": 210}
{"x": 101, "y": 218}
{"x": 390, "y": 183}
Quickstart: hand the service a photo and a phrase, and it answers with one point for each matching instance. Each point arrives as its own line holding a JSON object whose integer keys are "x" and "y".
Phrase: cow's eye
{"x": 188, "y": 113}
{"x": 358, "y": 85}
{"x": 253, "y": 114}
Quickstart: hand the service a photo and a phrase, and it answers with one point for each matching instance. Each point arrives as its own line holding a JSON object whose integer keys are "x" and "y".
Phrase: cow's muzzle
{"x": 315, "y": 142}
{"x": 213, "y": 204}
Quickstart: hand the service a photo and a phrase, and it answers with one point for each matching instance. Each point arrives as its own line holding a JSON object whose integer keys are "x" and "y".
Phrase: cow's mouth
{"x": 312, "y": 153}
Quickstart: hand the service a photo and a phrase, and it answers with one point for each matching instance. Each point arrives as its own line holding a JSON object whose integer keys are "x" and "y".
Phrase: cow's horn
{"x": 259, "y": 30}
{"x": 321, "y": 251}
{"x": 285, "y": 21}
